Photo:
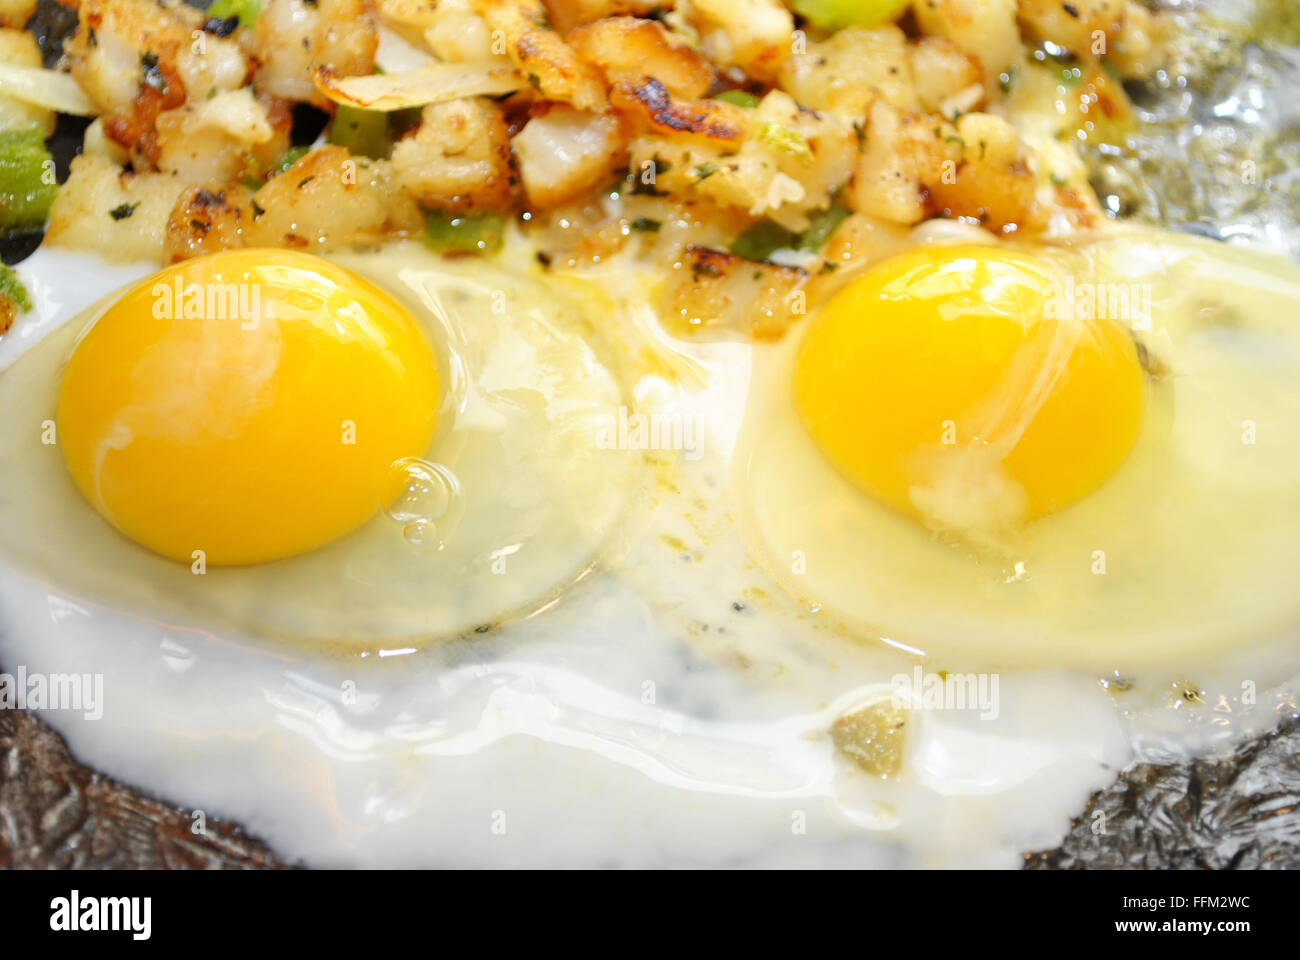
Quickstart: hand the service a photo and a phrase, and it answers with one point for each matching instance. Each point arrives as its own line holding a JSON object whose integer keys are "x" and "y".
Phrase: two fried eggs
{"x": 952, "y": 455}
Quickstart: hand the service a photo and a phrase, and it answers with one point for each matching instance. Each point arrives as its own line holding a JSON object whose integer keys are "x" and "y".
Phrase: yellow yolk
{"x": 957, "y": 384}
{"x": 247, "y": 404}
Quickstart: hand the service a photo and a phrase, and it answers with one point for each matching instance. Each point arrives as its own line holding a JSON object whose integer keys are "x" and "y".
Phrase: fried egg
{"x": 355, "y": 451}
{"x": 1074, "y": 457}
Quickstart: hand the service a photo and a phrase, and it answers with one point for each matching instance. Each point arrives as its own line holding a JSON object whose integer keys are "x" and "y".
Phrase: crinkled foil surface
{"x": 1229, "y": 103}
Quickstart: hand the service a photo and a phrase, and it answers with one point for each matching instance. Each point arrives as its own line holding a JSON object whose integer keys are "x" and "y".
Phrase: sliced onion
{"x": 435, "y": 83}
{"x": 45, "y": 88}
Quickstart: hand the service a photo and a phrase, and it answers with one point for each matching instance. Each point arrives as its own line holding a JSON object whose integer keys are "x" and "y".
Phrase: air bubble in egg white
{"x": 421, "y": 493}
{"x": 420, "y": 533}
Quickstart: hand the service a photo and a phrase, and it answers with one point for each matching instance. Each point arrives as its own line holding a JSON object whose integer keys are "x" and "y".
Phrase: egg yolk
{"x": 248, "y": 404}
{"x": 959, "y": 385}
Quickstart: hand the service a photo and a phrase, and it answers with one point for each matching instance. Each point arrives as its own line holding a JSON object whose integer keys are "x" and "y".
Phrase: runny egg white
{"x": 685, "y": 664}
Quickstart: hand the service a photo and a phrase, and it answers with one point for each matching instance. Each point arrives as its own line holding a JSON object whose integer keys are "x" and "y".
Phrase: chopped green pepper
{"x": 251, "y": 173}
{"x": 820, "y": 228}
{"x": 740, "y": 98}
{"x": 12, "y": 289}
{"x": 838, "y": 14}
{"x": 246, "y": 10}
{"x": 364, "y": 132}
{"x": 291, "y": 156}
{"x": 788, "y": 141}
{"x": 463, "y": 233}
{"x": 27, "y": 187}
{"x": 400, "y": 121}
{"x": 761, "y": 240}
{"x": 1071, "y": 75}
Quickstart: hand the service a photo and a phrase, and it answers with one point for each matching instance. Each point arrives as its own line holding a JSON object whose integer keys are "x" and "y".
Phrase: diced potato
{"x": 789, "y": 164}
{"x": 851, "y": 69}
{"x": 755, "y": 35}
{"x": 209, "y": 64}
{"x": 207, "y": 141}
{"x": 902, "y": 153}
{"x": 1101, "y": 109}
{"x": 114, "y": 37}
{"x": 568, "y": 14}
{"x": 915, "y": 166}
{"x": 411, "y": 18}
{"x": 455, "y": 33}
{"x": 205, "y": 221}
{"x": 96, "y": 143}
{"x": 1084, "y": 27}
{"x": 541, "y": 54}
{"x": 718, "y": 292}
{"x": 329, "y": 199}
{"x": 565, "y": 153}
{"x": 779, "y": 132}
{"x": 649, "y": 107}
{"x": 293, "y": 37}
{"x": 1139, "y": 50}
{"x": 984, "y": 29}
{"x": 942, "y": 74}
{"x": 628, "y": 49}
{"x": 993, "y": 182}
{"x": 458, "y": 158}
{"x": 121, "y": 216}
{"x": 19, "y": 48}
{"x": 16, "y": 13}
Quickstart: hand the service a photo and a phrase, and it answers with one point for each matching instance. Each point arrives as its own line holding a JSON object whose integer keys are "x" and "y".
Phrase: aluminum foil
{"x": 56, "y": 813}
{"x": 1218, "y": 154}
{"x": 1241, "y": 811}
{"x": 1217, "y": 151}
